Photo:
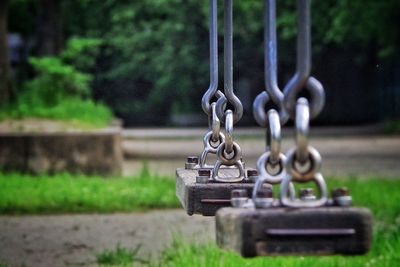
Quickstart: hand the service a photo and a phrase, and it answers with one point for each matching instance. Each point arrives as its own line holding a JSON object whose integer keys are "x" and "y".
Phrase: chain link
{"x": 213, "y": 138}
{"x": 229, "y": 154}
{"x": 303, "y": 163}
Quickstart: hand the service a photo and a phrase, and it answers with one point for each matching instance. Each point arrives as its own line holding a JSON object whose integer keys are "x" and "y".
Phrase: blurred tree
{"x": 154, "y": 54}
{"x": 50, "y": 28}
{"x": 6, "y": 89}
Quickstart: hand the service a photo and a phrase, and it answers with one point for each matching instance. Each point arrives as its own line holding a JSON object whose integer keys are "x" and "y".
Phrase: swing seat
{"x": 294, "y": 231}
{"x": 206, "y": 198}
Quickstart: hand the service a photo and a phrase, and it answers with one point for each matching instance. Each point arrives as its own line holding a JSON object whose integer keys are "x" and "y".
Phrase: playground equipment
{"x": 250, "y": 219}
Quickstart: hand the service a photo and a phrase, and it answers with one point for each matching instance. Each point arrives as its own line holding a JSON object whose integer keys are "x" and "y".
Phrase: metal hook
{"x": 303, "y": 67}
{"x": 272, "y": 91}
{"x": 270, "y": 60}
{"x": 228, "y": 67}
{"x": 212, "y": 90}
{"x": 214, "y": 123}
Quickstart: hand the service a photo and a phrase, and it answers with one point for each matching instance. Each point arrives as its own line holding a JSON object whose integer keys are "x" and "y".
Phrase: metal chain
{"x": 213, "y": 138}
{"x": 228, "y": 69}
{"x": 302, "y": 77}
{"x": 226, "y": 157}
{"x": 302, "y": 163}
{"x": 306, "y": 171}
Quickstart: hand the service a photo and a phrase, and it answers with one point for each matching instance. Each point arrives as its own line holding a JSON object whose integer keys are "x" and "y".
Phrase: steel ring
{"x": 257, "y": 187}
{"x": 274, "y": 135}
{"x": 237, "y": 154}
{"x": 209, "y": 148}
{"x": 297, "y": 203}
{"x": 229, "y": 131}
{"x": 262, "y": 163}
{"x": 314, "y": 161}
{"x": 239, "y": 178}
{"x": 302, "y": 129}
{"x": 317, "y": 95}
{"x": 215, "y": 124}
{"x": 259, "y": 113}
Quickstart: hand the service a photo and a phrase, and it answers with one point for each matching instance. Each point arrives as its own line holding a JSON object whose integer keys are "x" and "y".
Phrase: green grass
{"x": 63, "y": 193}
{"x": 118, "y": 257}
{"x": 80, "y": 113}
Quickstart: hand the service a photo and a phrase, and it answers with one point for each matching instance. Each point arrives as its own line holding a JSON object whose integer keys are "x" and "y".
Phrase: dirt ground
{"x": 74, "y": 240}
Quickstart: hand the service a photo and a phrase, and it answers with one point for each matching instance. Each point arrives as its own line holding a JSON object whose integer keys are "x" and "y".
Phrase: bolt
{"x": 265, "y": 192}
{"x": 341, "y": 197}
{"x": 264, "y": 197}
{"x": 204, "y": 172}
{"x": 203, "y": 175}
{"x": 192, "y": 159}
{"x": 235, "y": 193}
{"x": 340, "y": 192}
{"x": 239, "y": 197}
{"x": 307, "y": 194}
{"x": 252, "y": 174}
{"x": 191, "y": 162}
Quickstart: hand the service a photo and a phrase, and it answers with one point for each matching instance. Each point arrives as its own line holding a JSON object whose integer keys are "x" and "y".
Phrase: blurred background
{"x": 147, "y": 61}
{"x": 76, "y": 189}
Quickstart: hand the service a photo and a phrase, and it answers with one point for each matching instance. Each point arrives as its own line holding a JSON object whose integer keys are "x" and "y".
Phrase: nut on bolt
{"x": 341, "y": 197}
{"x": 203, "y": 176}
{"x": 239, "y": 197}
{"x": 191, "y": 162}
{"x": 307, "y": 194}
{"x": 264, "y": 197}
{"x": 252, "y": 174}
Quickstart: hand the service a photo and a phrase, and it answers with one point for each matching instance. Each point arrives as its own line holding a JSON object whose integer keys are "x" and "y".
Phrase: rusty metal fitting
{"x": 341, "y": 197}
{"x": 307, "y": 194}
{"x": 191, "y": 162}
{"x": 203, "y": 176}
{"x": 239, "y": 197}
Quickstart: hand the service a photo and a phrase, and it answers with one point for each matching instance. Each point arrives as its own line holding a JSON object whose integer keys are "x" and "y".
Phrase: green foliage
{"x": 64, "y": 193}
{"x": 61, "y": 76}
{"x": 154, "y": 54}
{"x": 119, "y": 257}
{"x": 61, "y": 88}
{"x": 81, "y": 52}
{"x": 55, "y": 81}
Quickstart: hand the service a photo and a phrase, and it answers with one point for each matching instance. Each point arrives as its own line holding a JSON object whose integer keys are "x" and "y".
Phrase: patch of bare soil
{"x": 74, "y": 240}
